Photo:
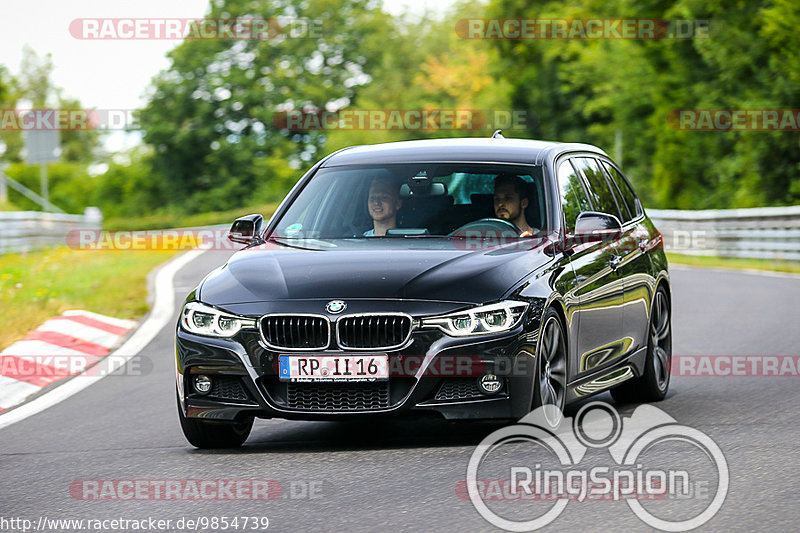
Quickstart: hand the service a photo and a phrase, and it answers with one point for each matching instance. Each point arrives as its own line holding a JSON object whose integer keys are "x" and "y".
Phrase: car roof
{"x": 499, "y": 150}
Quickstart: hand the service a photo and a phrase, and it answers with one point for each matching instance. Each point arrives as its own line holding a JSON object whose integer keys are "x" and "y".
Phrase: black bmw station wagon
{"x": 458, "y": 278}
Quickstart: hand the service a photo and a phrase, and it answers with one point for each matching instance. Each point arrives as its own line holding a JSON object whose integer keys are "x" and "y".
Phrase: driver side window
{"x": 573, "y": 196}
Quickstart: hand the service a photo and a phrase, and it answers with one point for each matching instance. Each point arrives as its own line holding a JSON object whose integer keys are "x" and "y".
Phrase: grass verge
{"x": 38, "y": 285}
{"x": 169, "y": 220}
{"x": 8, "y": 206}
{"x": 735, "y": 263}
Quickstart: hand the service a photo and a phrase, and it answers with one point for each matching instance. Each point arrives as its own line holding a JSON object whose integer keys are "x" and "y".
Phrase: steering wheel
{"x": 490, "y": 223}
{"x": 352, "y": 231}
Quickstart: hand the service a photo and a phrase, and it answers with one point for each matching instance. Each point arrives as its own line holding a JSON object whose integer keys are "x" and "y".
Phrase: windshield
{"x": 415, "y": 200}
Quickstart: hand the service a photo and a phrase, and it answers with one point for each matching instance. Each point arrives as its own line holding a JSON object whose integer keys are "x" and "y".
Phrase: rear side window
{"x": 573, "y": 196}
{"x": 625, "y": 191}
{"x": 599, "y": 190}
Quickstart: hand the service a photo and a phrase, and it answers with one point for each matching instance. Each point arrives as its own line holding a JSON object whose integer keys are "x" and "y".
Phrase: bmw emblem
{"x": 335, "y": 306}
{"x": 489, "y": 383}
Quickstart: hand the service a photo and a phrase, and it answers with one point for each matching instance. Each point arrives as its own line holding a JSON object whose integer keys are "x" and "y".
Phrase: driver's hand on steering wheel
{"x": 526, "y": 234}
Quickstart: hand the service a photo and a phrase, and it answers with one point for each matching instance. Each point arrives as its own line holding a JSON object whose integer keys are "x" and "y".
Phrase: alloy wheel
{"x": 552, "y": 372}
{"x": 661, "y": 340}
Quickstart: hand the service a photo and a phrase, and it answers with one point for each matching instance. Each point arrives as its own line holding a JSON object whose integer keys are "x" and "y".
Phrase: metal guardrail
{"x": 761, "y": 233}
{"x": 6, "y": 182}
{"x": 22, "y": 231}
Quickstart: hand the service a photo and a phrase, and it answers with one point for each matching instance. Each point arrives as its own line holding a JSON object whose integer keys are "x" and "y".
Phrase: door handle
{"x": 614, "y": 261}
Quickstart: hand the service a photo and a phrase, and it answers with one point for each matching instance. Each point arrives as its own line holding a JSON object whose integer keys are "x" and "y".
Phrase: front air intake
{"x": 295, "y": 332}
{"x": 373, "y": 332}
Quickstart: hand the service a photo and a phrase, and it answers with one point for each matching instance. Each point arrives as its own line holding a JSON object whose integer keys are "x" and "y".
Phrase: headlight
{"x": 481, "y": 320}
{"x": 204, "y": 320}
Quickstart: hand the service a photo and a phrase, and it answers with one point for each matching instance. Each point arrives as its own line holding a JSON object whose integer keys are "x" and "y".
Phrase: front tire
{"x": 653, "y": 384}
{"x": 206, "y": 434}
{"x": 550, "y": 377}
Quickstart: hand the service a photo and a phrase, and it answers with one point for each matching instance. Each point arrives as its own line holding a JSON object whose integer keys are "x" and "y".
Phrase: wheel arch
{"x": 663, "y": 281}
{"x": 556, "y": 303}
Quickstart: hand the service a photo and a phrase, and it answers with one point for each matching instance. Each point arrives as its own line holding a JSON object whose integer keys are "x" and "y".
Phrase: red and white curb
{"x": 161, "y": 314}
{"x": 62, "y": 347}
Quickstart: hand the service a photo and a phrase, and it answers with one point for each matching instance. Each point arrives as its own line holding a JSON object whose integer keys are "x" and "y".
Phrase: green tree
{"x": 11, "y": 141}
{"x": 70, "y": 186}
{"x": 597, "y": 91}
{"x": 211, "y": 116}
{"x": 34, "y": 79}
{"x": 79, "y": 145}
{"x": 127, "y": 187}
{"x": 35, "y": 87}
{"x": 425, "y": 65}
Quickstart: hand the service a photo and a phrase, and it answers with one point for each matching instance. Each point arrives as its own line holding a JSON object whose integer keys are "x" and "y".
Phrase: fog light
{"x": 489, "y": 383}
{"x": 202, "y": 384}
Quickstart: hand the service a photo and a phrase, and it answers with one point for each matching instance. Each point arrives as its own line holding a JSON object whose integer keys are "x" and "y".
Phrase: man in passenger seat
{"x": 383, "y": 202}
{"x": 510, "y": 201}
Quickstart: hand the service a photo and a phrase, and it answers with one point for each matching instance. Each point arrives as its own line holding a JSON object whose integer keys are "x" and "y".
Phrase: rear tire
{"x": 206, "y": 434}
{"x": 653, "y": 384}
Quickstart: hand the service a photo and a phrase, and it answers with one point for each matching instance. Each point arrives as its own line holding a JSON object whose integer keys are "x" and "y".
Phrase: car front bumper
{"x": 433, "y": 374}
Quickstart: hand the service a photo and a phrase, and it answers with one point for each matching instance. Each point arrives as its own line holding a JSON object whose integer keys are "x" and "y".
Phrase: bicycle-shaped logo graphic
{"x": 598, "y": 425}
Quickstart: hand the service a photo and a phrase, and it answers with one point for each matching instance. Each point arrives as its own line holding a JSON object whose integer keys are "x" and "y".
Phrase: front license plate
{"x": 333, "y": 367}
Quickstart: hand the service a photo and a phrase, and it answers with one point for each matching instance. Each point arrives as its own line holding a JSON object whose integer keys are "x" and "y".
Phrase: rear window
{"x": 599, "y": 189}
{"x": 573, "y": 195}
{"x": 625, "y": 191}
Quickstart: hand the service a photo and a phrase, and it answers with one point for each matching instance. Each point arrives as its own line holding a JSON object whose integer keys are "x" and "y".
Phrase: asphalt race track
{"x": 354, "y": 476}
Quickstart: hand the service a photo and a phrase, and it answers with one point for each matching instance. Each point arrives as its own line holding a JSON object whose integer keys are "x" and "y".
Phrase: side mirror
{"x": 246, "y": 229}
{"x": 592, "y": 226}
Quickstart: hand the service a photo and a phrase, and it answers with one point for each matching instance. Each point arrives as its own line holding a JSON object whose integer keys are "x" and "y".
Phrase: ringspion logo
{"x": 555, "y": 473}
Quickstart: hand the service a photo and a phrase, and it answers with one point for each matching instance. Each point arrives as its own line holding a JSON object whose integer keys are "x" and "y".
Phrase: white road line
{"x": 13, "y": 389}
{"x": 162, "y": 313}
{"x": 751, "y": 271}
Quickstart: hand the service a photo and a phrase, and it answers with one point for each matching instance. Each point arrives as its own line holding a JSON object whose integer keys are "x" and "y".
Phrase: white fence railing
{"x": 22, "y": 231}
{"x": 763, "y": 232}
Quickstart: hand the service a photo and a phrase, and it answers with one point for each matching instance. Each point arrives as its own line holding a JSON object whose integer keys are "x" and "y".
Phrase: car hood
{"x": 434, "y": 270}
